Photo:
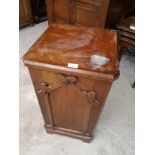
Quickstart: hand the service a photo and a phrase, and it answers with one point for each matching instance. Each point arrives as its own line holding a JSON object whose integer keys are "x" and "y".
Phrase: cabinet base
{"x": 70, "y": 133}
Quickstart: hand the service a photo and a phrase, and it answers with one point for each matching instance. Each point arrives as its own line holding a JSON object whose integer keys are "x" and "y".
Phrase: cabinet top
{"x": 91, "y": 49}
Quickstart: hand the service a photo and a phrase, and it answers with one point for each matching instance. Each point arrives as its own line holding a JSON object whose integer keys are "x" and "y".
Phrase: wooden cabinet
{"x": 92, "y": 13}
{"x": 72, "y": 69}
{"x": 118, "y": 10}
{"x": 25, "y": 13}
{"x": 79, "y": 12}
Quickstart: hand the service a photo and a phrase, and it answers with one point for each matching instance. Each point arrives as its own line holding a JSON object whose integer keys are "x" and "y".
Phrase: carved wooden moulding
{"x": 72, "y": 69}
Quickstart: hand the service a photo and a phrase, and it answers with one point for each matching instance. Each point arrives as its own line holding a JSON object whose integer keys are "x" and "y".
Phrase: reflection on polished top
{"x": 93, "y": 49}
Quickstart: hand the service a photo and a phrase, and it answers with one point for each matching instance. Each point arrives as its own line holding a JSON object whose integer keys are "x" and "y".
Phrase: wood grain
{"x": 71, "y": 100}
{"x": 25, "y": 13}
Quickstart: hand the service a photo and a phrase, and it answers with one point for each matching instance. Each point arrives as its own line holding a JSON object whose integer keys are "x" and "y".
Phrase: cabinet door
{"x": 73, "y": 105}
{"x": 81, "y": 12}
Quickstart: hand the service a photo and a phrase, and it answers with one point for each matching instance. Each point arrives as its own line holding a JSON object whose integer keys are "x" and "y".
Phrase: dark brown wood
{"x": 39, "y": 10}
{"x": 126, "y": 34}
{"x": 25, "y": 13}
{"x": 70, "y": 99}
{"x": 119, "y": 10}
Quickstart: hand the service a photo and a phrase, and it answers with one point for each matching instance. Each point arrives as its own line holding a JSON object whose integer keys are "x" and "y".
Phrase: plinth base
{"x": 70, "y": 133}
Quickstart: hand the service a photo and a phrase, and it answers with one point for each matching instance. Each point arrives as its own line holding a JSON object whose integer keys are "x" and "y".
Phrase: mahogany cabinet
{"x": 72, "y": 69}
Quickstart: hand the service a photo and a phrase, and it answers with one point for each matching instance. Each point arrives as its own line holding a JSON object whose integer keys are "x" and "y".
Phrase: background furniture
{"x": 93, "y": 13}
{"x": 31, "y": 11}
{"x": 119, "y": 10}
{"x": 72, "y": 98}
{"x": 126, "y": 32}
{"x": 39, "y": 10}
{"x": 25, "y": 13}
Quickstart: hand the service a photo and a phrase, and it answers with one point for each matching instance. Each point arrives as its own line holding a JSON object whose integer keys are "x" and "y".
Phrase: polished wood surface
{"x": 70, "y": 99}
{"x": 63, "y": 44}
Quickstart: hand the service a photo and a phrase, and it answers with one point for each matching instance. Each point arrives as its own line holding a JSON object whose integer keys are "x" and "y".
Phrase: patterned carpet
{"x": 114, "y": 134}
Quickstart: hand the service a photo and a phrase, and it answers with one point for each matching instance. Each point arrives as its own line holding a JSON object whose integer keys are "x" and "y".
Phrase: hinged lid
{"x": 91, "y": 49}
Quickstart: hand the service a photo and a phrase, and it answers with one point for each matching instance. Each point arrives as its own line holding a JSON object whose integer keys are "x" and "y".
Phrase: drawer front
{"x": 68, "y": 101}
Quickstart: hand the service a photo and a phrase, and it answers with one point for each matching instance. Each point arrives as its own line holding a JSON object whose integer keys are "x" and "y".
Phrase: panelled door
{"x": 69, "y": 101}
{"x": 80, "y": 12}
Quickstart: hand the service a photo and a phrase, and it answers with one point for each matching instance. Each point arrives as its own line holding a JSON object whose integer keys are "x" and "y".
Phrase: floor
{"x": 114, "y": 134}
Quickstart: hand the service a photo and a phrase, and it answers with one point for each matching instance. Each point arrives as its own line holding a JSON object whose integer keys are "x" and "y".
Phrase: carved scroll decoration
{"x": 67, "y": 80}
